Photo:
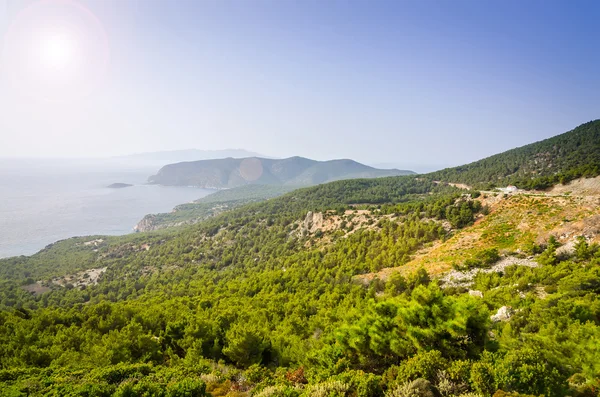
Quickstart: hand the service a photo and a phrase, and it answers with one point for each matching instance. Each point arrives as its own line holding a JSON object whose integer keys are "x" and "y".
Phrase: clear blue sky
{"x": 413, "y": 83}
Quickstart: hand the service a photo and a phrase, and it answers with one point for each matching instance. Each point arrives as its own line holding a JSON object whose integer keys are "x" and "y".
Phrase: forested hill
{"x": 264, "y": 301}
{"x": 535, "y": 166}
{"x": 293, "y": 171}
{"x": 211, "y": 205}
{"x": 538, "y": 165}
{"x": 334, "y": 194}
{"x": 278, "y": 298}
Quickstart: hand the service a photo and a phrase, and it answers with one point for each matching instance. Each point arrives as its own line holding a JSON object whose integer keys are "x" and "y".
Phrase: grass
{"x": 514, "y": 224}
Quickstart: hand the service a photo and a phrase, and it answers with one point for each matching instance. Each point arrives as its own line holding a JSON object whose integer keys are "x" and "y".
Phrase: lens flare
{"x": 251, "y": 169}
{"x": 55, "y": 50}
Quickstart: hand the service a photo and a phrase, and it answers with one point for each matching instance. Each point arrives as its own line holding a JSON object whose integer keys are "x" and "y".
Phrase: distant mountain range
{"x": 158, "y": 159}
{"x": 294, "y": 171}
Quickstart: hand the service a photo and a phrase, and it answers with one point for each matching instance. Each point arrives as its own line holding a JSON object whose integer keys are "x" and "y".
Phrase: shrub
{"x": 422, "y": 365}
{"x": 502, "y": 393}
{"x": 278, "y": 391}
{"x": 548, "y": 257}
{"x": 133, "y": 388}
{"x": 95, "y": 390}
{"x": 187, "y": 388}
{"x": 455, "y": 378}
{"x": 396, "y": 284}
{"x": 257, "y": 373}
{"x": 530, "y": 371}
{"x": 483, "y": 378}
{"x": 483, "y": 259}
{"x": 417, "y": 388}
{"x": 327, "y": 389}
{"x": 118, "y": 373}
{"x": 245, "y": 345}
{"x": 361, "y": 384}
{"x": 296, "y": 376}
{"x": 489, "y": 256}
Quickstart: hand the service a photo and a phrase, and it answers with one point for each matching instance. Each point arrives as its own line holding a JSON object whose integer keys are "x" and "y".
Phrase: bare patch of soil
{"x": 36, "y": 288}
{"x": 81, "y": 279}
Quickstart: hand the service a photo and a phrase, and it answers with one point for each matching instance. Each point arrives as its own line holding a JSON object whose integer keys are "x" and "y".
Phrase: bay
{"x": 45, "y": 201}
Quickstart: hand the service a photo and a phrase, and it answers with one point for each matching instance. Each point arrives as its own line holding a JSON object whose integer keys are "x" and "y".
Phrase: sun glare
{"x": 57, "y": 51}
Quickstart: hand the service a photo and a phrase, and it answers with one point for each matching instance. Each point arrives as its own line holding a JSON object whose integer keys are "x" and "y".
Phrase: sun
{"x": 54, "y": 51}
{"x": 58, "y": 51}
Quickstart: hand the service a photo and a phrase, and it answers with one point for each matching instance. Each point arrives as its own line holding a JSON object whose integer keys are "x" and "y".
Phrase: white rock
{"x": 503, "y": 314}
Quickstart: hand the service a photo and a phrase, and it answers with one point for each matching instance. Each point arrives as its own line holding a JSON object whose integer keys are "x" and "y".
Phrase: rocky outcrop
{"x": 312, "y": 222}
{"x": 503, "y": 314}
{"x": 458, "y": 278}
{"x": 152, "y": 222}
{"x": 147, "y": 224}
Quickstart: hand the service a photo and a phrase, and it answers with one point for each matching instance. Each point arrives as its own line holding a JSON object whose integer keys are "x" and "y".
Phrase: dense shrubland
{"x": 539, "y": 165}
{"x": 271, "y": 333}
{"x": 243, "y": 305}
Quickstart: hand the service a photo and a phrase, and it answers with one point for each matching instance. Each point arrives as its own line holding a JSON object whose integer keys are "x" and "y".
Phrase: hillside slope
{"x": 293, "y": 171}
{"x": 211, "y": 205}
{"x": 516, "y": 224}
{"x": 538, "y": 165}
{"x": 287, "y": 297}
{"x": 260, "y": 301}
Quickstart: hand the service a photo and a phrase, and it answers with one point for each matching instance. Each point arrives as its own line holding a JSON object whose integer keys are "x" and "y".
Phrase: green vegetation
{"x": 559, "y": 159}
{"x": 482, "y": 260}
{"x": 211, "y": 205}
{"x": 256, "y": 301}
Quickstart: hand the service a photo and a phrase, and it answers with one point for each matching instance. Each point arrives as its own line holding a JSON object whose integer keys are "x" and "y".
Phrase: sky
{"x": 418, "y": 84}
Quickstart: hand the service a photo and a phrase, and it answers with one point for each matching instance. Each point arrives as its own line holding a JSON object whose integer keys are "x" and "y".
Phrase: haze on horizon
{"x": 397, "y": 82}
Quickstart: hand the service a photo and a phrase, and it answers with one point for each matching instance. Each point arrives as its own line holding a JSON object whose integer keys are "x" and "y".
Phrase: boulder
{"x": 503, "y": 314}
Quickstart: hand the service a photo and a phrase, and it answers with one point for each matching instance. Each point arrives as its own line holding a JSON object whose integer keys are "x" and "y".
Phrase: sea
{"x": 43, "y": 201}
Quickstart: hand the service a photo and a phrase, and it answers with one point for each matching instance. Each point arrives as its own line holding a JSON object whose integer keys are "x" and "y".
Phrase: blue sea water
{"x": 45, "y": 201}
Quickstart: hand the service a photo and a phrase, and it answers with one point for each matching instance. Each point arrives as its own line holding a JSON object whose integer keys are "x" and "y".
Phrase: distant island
{"x": 118, "y": 185}
{"x": 294, "y": 171}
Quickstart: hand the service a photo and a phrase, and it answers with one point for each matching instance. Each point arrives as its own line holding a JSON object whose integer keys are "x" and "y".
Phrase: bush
{"x": 361, "y": 384}
{"x": 278, "y": 391}
{"x": 417, "y": 388}
{"x": 327, "y": 389}
{"x": 95, "y": 390}
{"x": 529, "y": 371}
{"x": 187, "y": 388}
{"x": 118, "y": 373}
{"x": 133, "y": 388}
{"x": 483, "y": 259}
{"x": 502, "y": 393}
{"x": 457, "y": 375}
{"x": 257, "y": 373}
{"x": 489, "y": 256}
{"x": 548, "y": 257}
{"x": 483, "y": 379}
{"x": 422, "y": 365}
{"x": 245, "y": 345}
